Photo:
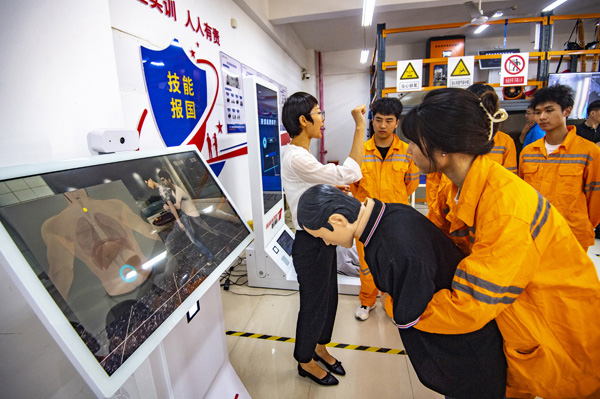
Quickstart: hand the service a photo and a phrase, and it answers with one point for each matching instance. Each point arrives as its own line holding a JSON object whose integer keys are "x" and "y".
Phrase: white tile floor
{"x": 268, "y": 369}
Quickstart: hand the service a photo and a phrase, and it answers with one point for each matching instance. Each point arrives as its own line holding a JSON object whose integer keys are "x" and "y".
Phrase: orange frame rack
{"x": 546, "y": 20}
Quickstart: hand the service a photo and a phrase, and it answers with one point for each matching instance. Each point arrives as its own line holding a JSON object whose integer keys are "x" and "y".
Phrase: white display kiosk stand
{"x": 269, "y": 257}
{"x": 182, "y": 352}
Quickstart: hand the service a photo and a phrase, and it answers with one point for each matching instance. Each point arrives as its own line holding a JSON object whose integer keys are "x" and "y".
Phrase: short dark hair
{"x": 162, "y": 173}
{"x": 387, "y": 106}
{"x": 319, "y": 202}
{"x": 593, "y": 106}
{"x": 295, "y": 106}
{"x": 563, "y": 95}
{"x": 440, "y": 122}
{"x": 479, "y": 88}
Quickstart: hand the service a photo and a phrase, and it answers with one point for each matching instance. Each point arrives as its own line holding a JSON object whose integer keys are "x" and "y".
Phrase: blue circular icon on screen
{"x": 128, "y": 277}
{"x": 264, "y": 142}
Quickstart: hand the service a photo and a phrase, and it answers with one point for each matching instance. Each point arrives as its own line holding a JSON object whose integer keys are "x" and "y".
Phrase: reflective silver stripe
{"x": 511, "y": 168}
{"x": 496, "y": 152}
{"x": 594, "y": 183}
{"x": 460, "y": 233}
{"x": 499, "y": 147}
{"x": 495, "y": 288}
{"x": 537, "y": 230}
{"x": 551, "y": 161}
{"x": 482, "y": 297}
{"x": 586, "y": 156}
{"x": 538, "y": 211}
{"x": 532, "y": 155}
{"x": 372, "y": 160}
{"x": 592, "y": 189}
{"x": 397, "y": 160}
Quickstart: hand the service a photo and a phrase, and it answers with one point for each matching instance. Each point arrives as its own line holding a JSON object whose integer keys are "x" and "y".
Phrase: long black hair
{"x": 452, "y": 120}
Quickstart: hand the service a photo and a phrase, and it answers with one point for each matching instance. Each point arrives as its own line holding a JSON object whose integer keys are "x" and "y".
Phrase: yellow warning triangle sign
{"x": 460, "y": 69}
{"x": 409, "y": 72}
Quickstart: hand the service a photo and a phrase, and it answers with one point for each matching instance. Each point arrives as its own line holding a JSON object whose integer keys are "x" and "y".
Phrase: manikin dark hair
{"x": 162, "y": 173}
{"x": 387, "y": 106}
{"x": 451, "y": 120}
{"x": 560, "y": 94}
{"x": 593, "y": 106}
{"x": 295, "y": 106}
{"x": 319, "y": 202}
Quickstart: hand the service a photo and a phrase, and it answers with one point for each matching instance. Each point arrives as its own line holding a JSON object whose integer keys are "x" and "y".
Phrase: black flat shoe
{"x": 327, "y": 380}
{"x": 335, "y": 368}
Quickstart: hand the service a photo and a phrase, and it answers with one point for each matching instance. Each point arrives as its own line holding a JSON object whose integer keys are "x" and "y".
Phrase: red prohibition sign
{"x": 518, "y": 65}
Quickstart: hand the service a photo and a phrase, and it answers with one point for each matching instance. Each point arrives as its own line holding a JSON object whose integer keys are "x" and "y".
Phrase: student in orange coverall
{"x": 524, "y": 267}
{"x": 389, "y": 175}
{"x": 562, "y": 166}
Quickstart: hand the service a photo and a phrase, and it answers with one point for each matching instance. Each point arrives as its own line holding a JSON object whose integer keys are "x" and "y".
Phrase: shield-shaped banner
{"x": 178, "y": 91}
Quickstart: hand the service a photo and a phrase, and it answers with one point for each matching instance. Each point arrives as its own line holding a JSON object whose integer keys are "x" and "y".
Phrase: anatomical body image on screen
{"x": 118, "y": 250}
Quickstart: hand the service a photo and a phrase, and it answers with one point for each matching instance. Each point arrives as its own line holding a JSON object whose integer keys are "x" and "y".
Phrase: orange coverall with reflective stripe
{"x": 504, "y": 151}
{"x": 525, "y": 269}
{"x": 432, "y": 186}
{"x": 570, "y": 179}
{"x": 391, "y": 180}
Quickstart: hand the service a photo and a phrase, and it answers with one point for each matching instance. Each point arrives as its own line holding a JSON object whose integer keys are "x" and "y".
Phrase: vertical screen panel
{"x": 268, "y": 130}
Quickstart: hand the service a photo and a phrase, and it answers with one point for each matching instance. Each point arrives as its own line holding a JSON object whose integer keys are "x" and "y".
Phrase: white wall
{"x": 59, "y": 78}
{"x": 62, "y": 78}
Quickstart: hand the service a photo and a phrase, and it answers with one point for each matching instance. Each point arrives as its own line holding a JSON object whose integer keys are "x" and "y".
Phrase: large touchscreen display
{"x": 120, "y": 246}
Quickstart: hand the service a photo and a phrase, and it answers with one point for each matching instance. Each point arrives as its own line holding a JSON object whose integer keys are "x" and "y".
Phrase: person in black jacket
{"x": 411, "y": 259}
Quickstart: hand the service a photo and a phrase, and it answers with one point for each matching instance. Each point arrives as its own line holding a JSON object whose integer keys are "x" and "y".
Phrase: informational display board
{"x": 95, "y": 248}
{"x": 233, "y": 91}
{"x": 514, "y": 70}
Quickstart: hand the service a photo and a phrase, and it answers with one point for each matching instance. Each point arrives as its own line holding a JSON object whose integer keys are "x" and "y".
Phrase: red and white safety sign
{"x": 514, "y": 69}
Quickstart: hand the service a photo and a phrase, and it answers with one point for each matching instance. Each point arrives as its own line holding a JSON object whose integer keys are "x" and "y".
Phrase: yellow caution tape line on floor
{"x": 331, "y": 344}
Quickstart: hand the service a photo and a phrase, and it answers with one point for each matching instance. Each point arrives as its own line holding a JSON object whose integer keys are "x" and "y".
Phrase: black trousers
{"x": 316, "y": 266}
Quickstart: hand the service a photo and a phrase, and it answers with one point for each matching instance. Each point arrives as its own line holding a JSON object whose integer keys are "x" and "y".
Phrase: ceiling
{"x": 335, "y": 25}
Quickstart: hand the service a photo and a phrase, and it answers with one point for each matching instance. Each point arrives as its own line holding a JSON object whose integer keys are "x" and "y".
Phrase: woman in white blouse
{"x": 315, "y": 262}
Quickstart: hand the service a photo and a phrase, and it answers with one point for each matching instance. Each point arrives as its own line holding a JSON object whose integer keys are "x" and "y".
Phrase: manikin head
{"x": 552, "y": 105}
{"x": 326, "y": 212}
{"x": 386, "y": 115}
